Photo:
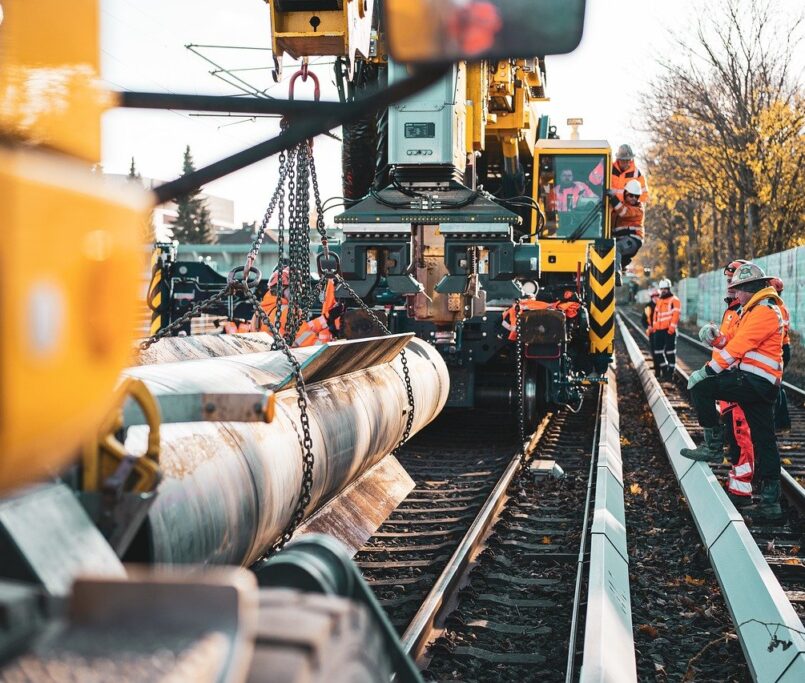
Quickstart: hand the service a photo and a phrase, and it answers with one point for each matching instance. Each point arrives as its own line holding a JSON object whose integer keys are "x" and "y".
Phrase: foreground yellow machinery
{"x": 202, "y": 451}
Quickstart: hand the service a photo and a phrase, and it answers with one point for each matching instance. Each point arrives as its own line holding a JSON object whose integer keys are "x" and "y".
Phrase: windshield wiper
{"x": 586, "y": 222}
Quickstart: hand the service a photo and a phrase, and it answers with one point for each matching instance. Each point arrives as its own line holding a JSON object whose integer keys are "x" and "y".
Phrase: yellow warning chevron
{"x": 602, "y": 289}
{"x": 602, "y": 262}
{"x": 602, "y": 344}
{"x": 602, "y": 316}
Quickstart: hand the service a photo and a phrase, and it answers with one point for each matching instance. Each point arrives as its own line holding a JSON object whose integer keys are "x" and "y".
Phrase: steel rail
{"x": 792, "y": 489}
{"x": 770, "y": 632}
{"x": 436, "y": 603}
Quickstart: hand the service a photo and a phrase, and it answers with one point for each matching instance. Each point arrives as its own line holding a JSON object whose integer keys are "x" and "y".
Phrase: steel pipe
{"x": 230, "y": 488}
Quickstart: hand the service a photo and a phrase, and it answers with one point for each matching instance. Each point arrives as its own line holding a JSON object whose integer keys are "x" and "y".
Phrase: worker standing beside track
{"x": 782, "y": 418}
{"x": 756, "y": 350}
{"x": 648, "y": 317}
{"x": 624, "y": 170}
{"x": 666, "y": 320}
{"x": 737, "y": 434}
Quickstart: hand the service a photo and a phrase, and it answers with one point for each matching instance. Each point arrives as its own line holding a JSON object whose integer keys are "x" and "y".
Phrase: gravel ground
{"x": 682, "y": 629}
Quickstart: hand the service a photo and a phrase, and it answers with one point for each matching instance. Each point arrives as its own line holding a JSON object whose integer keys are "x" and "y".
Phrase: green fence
{"x": 703, "y": 297}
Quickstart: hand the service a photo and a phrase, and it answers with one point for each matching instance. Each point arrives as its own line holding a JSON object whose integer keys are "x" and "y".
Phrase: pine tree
{"x": 193, "y": 224}
{"x": 133, "y": 173}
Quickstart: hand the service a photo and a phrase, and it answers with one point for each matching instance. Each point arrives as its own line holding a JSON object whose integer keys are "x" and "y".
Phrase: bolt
{"x": 210, "y": 407}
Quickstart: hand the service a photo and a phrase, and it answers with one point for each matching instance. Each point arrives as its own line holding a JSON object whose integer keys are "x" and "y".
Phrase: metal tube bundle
{"x": 230, "y": 488}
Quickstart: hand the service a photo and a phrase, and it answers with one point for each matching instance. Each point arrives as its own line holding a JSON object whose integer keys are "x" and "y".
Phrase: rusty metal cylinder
{"x": 230, "y": 488}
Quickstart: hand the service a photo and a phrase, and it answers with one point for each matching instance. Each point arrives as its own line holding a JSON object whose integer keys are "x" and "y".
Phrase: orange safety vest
{"x": 313, "y": 332}
{"x": 786, "y": 323}
{"x": 628, "y": 220}
{"x": 567, "y": 198}
{"x": 620, "y": 178}
{"x": 666, "y": 313}
{"x": 729, "y": 323}
{"x": 757, "y": 345}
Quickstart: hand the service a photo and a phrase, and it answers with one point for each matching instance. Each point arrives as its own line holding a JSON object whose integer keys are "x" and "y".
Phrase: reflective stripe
{"x": 776, "y": 309}
{"x": 715, "y": 366}
{"x": 742, "y": 470}
{"x": 740, "y": 487}
{"x": 726, "y": 356}
{"x": 773, "y": 364}
{"x": 302, "y": 338}
{"x": 759, "y": 372}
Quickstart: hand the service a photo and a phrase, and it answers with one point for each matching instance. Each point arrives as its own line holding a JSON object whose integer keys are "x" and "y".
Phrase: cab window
{"x": 571, "y": 189}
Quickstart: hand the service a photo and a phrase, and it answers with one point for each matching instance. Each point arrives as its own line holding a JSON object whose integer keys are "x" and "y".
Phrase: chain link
{"x": 520, "y": 382}
{"x": 306, "y": 441}
{"x": 195, "y": 311}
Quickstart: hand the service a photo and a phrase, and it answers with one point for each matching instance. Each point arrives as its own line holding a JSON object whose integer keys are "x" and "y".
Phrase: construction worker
{"x": 782, "y": 418}
{"x": 737, "y": 435}
{"x": 666, "y": 319}
{"x": 624, "y": 170}
{"x": 566, "y": 194}
{"x": 316, "y": 331}
{"x": 627, "y": 221}
{"x": 748, "y": 371}
{"x": 648, "y": 316}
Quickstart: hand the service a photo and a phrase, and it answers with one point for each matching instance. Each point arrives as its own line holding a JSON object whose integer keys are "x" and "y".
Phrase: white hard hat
{"x": 634, "y": 187}
{"x": 746, "y": 273}
{"x": 665, "y": 283}
{"x": 625, "y": 153}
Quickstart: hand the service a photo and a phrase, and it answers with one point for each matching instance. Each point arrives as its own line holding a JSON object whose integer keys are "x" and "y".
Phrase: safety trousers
{"x": 742, "y": 452}
{"x": 664, "y": 351}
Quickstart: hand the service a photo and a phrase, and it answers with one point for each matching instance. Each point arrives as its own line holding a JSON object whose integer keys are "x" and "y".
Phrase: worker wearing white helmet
{"x": 624, "y": 170}
{"x": 748, "y": 370}
{"x": 627, "y": 223}
{"x": 666, "y": 320}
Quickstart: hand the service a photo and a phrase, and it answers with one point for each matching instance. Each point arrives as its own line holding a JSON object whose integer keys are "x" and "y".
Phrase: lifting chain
{"x": 520, "y": 384}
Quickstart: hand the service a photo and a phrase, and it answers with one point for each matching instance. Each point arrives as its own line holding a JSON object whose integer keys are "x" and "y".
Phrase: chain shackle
{"x": 305, "y": 74}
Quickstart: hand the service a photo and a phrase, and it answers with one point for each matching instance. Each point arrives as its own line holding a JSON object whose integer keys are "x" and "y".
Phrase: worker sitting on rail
{"x": 276, "y": 306}
{"x": 747, "y": 370}
{"x": 566, "y": 194}
{"x": 627, "y": 223}
{"x": 782, "y": 418}
{"x": 737, "y": 434}
{"x": 624, "y": 170}
{"x": 666, "y": 320}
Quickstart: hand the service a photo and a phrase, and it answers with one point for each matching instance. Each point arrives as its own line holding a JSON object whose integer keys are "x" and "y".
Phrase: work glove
{"x": 649, "y": 331}
{"x": 335, "y": 312}
{"x": 697, "y": 376}
{"x": 672, "y": 329}
{"x": 612, "y": 196}
{"x": 708, "y": 333}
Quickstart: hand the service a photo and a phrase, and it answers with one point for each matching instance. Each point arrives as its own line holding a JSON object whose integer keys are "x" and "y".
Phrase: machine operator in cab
{"x": 566, "y": 194}
{"x": 748, "y": 370}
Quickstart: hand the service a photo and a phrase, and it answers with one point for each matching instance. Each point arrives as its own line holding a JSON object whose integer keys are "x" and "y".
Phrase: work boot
{"x": 769, "y": 506}
{"x": 712, "y": 450}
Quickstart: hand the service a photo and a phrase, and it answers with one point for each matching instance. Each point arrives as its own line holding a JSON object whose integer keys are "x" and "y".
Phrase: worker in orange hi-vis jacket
{"x": 782, "y": 418}
{"x": 666, "y": 320}
{"x": 737, "y": 434}
{"x": 624, "y": 170}
{"x": 748, "y": 370}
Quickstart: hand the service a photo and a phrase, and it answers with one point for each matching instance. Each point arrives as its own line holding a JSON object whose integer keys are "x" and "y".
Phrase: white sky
{"x": 143, "y": 49}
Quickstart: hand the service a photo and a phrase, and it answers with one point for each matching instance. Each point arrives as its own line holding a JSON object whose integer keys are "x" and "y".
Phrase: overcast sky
{"x": 143, "y": 49}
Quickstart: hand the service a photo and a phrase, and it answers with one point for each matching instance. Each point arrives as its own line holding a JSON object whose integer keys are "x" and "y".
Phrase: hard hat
{"x": 746, "y": 273}
{"x": 733, "y": 266}
{"x": 777, "y": 283}
{"x": 286, "y": 278}
{"x": 625, "y": 153}
{"x": 665, "y": 283}
{"x": 634, "y": 187}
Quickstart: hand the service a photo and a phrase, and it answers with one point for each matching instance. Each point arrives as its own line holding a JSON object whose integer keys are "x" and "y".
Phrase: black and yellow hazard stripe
{"x": 602, "y": 295}
{"x": 155, "y": 293}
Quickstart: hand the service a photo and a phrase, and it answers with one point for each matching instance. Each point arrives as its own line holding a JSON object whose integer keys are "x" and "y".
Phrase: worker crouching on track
{"x": 627, "y": 220}
{"x": 748, "y": 371}
{"x": 666, "y": 319}
{"x": 737, "y": 434}
{"x": 782, "y": 418}
{"x": 315, "y": 331}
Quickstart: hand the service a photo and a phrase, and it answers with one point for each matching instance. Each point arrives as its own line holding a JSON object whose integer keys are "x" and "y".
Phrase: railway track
{"x": 490, "y": 574}
{"x": 762, "y": 576}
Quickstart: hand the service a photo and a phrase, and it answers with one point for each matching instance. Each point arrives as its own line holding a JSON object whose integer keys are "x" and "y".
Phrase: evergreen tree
{"x": 148, "y": 230}
{"x": 133, "y": 173}
{"x": 193, "y": 224}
